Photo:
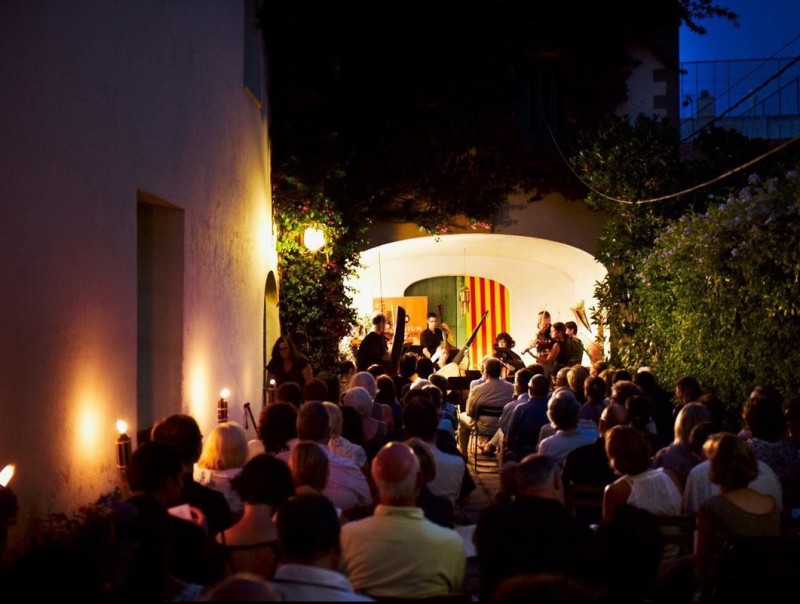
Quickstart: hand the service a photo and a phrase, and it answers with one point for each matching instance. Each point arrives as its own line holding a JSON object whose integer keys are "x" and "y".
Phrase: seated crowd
{"x": 355, "y": 494}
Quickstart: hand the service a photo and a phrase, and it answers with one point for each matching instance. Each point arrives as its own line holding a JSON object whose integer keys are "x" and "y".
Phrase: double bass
{"x": 453, "y": 368}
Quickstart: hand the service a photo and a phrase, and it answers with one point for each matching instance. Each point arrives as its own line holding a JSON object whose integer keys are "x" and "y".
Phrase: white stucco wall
{"x": 101, "y": 101}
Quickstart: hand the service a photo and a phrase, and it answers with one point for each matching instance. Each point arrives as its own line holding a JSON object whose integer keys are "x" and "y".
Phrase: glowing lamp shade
{"x": 6, "y": 475}
{"x": 313, "y": 239}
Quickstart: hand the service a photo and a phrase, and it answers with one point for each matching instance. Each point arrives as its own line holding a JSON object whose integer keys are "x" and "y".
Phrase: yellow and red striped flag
{"x": 486, "y": 294}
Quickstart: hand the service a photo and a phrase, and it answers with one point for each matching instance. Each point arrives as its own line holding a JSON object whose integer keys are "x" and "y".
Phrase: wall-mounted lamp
{"x": 313, "y": 239}
{"x": 222, "y": 406}
{"x": 123, "y": 445}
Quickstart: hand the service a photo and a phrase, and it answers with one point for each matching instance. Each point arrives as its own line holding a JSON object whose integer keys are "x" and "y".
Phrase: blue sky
{"x": 765, "y": 27}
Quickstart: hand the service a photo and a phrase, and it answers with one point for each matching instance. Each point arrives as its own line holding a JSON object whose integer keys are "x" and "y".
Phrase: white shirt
{"x": 700, "y": 489}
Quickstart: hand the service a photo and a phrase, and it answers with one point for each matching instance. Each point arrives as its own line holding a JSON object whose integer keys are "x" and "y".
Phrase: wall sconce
{"x": 123, "y": 445}
{"x": 222, "y": 406}
{"x": 313, "y": 239}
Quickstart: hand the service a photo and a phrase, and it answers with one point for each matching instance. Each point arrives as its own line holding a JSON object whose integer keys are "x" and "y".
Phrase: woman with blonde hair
{"x": 224, "y": 454}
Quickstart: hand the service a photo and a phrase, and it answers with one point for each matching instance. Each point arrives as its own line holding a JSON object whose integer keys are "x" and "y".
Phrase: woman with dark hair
{"x": 264, "y": 483}
{"x": 277, "y": 425}
{"x": 687, "y": 390}
{"x": 387, "y": 395}
{"x": 288, "y": 364}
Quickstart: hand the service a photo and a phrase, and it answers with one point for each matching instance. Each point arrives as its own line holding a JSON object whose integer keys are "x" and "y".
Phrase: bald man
{"x": 397, "y": 552}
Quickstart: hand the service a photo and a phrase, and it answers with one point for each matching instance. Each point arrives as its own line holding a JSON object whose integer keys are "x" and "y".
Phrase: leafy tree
{"x": 721, "y": 290}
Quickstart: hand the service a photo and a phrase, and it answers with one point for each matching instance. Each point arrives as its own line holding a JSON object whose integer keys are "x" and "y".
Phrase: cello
{"x": 453, "y": 368}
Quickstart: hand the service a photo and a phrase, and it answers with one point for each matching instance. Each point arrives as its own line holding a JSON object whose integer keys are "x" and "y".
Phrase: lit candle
{"x": 123, "y": 445}
{"x": 271, "y": 392}
{"x": 222, "y": 406}
{"x": 6, "y": 475}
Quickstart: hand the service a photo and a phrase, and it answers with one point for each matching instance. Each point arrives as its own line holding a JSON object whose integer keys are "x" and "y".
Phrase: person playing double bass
{"x": 434, "y": 341}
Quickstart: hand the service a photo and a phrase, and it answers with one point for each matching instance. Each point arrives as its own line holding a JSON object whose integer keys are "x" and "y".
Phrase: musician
{"x": 373, "y": 348}
{"x": 544, "y": 338}
{"x": 434, "y": 340}
{"x": 502, "y": 350}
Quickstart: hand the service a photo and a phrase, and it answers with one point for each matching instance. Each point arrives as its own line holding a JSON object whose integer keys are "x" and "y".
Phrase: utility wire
{"x": 702, "y": 185}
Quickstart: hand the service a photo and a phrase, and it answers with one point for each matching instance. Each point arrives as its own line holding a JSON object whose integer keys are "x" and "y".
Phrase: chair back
{"x": 585, "y": 501}
{"x": 679, "y": 533}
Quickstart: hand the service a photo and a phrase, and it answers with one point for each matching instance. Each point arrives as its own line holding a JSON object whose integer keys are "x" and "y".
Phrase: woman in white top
{"x": 224, "y": 454}
{"x": 657, "y": 490}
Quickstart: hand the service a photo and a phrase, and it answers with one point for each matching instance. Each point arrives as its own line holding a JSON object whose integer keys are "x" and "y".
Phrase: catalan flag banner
{"x": 485, "y": 294}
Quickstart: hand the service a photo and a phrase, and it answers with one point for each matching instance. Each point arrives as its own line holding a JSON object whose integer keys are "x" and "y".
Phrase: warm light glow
{"x": 122, "y": 427}
{"x": 6, "y": 475}
{"x": 313, "y": 239}
{"x": 225, "y": 393}
{"x": 272, "y": 383}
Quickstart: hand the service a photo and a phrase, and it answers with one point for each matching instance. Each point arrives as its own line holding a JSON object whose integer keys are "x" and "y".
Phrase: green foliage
{"x": 721, "y": 292}
{"x": 313, "y": 298}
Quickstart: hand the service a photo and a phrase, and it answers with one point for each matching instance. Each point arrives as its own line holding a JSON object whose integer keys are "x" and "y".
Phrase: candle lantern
{"x": 222, "y": 406}
{"x": 272, "y": 392}
{"x": 123, "y": 445}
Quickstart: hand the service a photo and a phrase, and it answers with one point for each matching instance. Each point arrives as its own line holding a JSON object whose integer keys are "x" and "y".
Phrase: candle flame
{"x": 6, "y": 475}
{"x": 225, "y": 393}
{"x": 122, "y": 427}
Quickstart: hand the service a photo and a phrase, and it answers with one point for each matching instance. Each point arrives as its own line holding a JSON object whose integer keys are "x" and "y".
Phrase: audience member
{"x": 375, "y": 431}
{"x": 308, "y": 540}
{"x": 437, "y": 508}
{"x": 242, "y": 587}
{"x": 594, "y": 395}
{"x": 562, "y": 411}
{"x": 655, "y": 490}
{"x": 315, "y": 389}
{"x": 533, "y": 532}
{"x": 183, "y": 433}
{"x": 338, "y": 443}
{"x": 678, "y": 457}
{"x": 263, "y": 485}
{"x": 289, "y": 392}
{"x": 224, "y": 454}
{"x": 277, "y": 428}
{"x": 738, "y": 511}
{"x": 494, "y": 392}
{"x": 527, "y": 421}
{"x": 397, "y": 552}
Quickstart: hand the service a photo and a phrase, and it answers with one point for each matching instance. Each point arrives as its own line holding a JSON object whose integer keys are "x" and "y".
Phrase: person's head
{"x": 645, "y": 379}
{"x": 622, "y": 390}
{"x": 563, "y": 410}
{"x": 598, "y": 367}
{"x": 335, "y": 417}
{"x": 366, "y": 380}
{"x": 265, "y": 479}
{"x": 347, "y": 369}
{"x": 376, "y": 369}
{"x": 397, "y": 474}
{"x": 699, "y": 435}
{"x": 315, "y": 390}
{"x": 576, "y": 377}
{"x": 360, "y": 400}
{"x": 594, "y": 388}
{"x": 183, "y": 433}
{"x": 540, "y": 476}
{"x": 522, "y": 378}
{"x": 492, "y": 368}
{"x": 715, "y": 407}
{"x": 289, "y": 392}
{"x": 544, "y": 320}
{"x": 277, "y": 425}
{"x": 688, "y": 417}
{"x": 378, "y": 322}
{"x": 558, "y": 330}
{"x": 620, "y": 374}
{"x": 640, "y": 411}
{"x": 352, "y": 425}
{"x": 427, "y": 464}
{"x": 313, "y": 423}
{"x": 732, "y": 463}
{"x": 504, "y": 340}
{"x": 155, "y": 468}
{"x": 561, "y": 380}
{"x": 308, "y": 531}
{"x": 433, "y": 320}
{"x": 687, "y": 389}
{"x": 613, "y": 415}
{"x": 407, "y": 365}
{"x": 387, "y": 392}
{"x": 628, "y": 450}
{"x": 225, "y": 447}
{"x": 440, "y": 381}
{"x": 284, "y": 349}
{"x": 536, "y": 369}
{"x": 309, "y": 466}
{"x": 424, "y": 367}
{"x": 571, "y": 327}
{"x": 243, "y": 587}
{"x": 763, "y": 414}
{"x": 420, "y": 418}
{"x": 538, "y": 386}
